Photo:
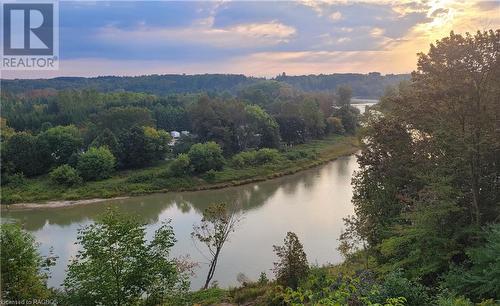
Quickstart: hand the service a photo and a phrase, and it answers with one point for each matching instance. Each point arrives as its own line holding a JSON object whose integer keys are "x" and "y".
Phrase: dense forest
{"x": 363, "y": 85}
{"x": 426, "y": 228}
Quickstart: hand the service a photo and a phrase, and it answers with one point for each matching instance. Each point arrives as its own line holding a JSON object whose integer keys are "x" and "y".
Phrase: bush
{"x": 141, "y": 178}
{"x": 206, "y": 156}
{"x": 396, "y": 285}
{"x": 479, "y": 280}
{"x": 265, "y": 156}
{"x": 243, "y": 159}
{"x": 65, "y": 175}
{"x": 296, "y": 155}
{"x": 253, "y": 158}
{"x": 96, "y": 164}
{"x": 210, "y": 176}
{"x": 16, "y": 180}
{"x": 181, "y": 165}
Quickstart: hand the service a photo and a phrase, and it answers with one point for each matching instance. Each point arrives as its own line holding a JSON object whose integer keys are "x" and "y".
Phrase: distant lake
{"x": 310, "y": 203}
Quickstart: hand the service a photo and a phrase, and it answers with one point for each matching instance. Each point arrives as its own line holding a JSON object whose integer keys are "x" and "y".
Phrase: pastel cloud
{"x": 256, "y": 37}
{"x": 202, "y": 32}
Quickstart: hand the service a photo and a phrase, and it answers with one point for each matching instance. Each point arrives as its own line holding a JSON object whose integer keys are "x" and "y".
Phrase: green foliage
{"x": 96, "y": 164}
{"x": 183, "y": 144}
{"x": 120, "y": 119}
{"x": 396, "y": 285}
{"x": 24, "y": 271}
{"x": 250, "y": 292}
{"x": 292, "y": 265}
{"x": 65, "y": 175}
{"x": 210, "y": 176}
{"x": 255, "y": 158}
{"x": 143, "y": 145}
{"x": 349, "y": 118}
{"x": 60, "y": 142}
{"x": 22, "y": 152}
{"x": 118, "y": 267}
{"x": 263, "y": 128}
{"x": 108, "y": 139}
{"x": 479, "y": 279}
{"x": 15, "y": 180}
{"x": 206, "y": 156}
{"x": 208, "y": 296}
{"x": 266, "y": 155}
{"x": 263, "y": 278}
{"x": 447, "y": 299}
{"x": 181, "y": 165}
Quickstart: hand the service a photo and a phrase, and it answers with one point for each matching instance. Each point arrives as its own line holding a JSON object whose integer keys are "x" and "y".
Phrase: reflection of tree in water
{"x": 343, "y": 165}
{"x": 183, "y": 206}
{"x": 148, "y": 208}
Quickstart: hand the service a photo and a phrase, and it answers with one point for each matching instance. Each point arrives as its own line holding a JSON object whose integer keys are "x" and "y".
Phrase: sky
{"x": 257, "y": 38}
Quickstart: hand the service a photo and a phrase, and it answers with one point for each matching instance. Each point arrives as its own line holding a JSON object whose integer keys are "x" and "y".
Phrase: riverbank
{"x": 37, "y": 192}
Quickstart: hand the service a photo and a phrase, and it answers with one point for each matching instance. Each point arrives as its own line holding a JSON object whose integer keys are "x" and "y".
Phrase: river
{"x": 310, "y": 203}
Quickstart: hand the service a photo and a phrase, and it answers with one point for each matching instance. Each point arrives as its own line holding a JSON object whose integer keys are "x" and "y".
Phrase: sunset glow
{"x": 259, "y": 38}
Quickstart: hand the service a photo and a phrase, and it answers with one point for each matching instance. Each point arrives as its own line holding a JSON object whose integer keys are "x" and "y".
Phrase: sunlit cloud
{"x": 336, "y": 16}
{"x": 258, "y": 38}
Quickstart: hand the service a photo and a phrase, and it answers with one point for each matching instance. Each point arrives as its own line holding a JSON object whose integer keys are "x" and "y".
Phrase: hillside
{"x": 364, "y": 85}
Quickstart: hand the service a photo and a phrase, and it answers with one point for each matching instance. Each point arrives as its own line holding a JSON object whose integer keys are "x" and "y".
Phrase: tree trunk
{"x": 211, "y": 270}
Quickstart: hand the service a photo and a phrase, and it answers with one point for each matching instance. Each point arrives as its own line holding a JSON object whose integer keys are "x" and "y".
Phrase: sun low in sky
{"x": 258, "y": 38}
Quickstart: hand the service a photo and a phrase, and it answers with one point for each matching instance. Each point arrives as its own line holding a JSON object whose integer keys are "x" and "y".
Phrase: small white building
{"x": 175, "y": 134}
{"x": 185, "y": 133}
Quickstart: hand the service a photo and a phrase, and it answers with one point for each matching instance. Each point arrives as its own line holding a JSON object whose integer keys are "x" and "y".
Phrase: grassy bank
{"x": 157, "y": 178}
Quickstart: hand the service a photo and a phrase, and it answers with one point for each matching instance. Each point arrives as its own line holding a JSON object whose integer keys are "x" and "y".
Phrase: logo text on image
{"x": 30, "y": 35}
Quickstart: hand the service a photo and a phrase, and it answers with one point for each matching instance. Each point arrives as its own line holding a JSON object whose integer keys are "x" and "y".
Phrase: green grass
{"x": 157, "y": 179}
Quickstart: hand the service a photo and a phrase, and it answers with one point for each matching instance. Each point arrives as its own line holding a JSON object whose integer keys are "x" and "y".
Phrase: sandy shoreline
{"x": 57, "y": 204}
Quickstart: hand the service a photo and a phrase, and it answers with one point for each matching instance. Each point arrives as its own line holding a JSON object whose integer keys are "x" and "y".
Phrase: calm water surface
{"x": 311, "y": 203}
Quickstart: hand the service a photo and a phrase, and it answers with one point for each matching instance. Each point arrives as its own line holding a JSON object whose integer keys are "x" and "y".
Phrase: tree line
{"x": 369, "y": 85}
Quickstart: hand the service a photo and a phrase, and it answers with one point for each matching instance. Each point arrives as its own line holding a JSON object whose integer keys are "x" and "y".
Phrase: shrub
{"x": 479, "y": 280}
{"x": 206, "y": 156}
{"x": 181, "y": 165}
{"x": 296, "y": 155}
{"x": 266, "y": 155}
{"x": 65, "y": 175}
{"x": 141, "y": 178}
{"x": 16, "y": 180}
{"x": 396, "y": 285}
{"x": 96, "y": 164}
{"x": 244, "y": 159}
{"x": 253, "y": 158}
{"x": 210, "y": 176}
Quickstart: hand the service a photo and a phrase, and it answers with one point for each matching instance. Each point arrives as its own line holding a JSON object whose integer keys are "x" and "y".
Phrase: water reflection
{"x": 311, "y": 203}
